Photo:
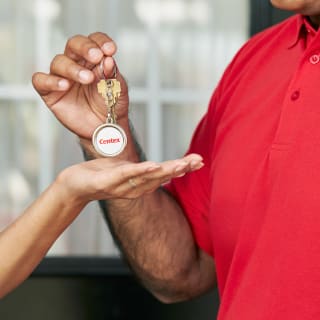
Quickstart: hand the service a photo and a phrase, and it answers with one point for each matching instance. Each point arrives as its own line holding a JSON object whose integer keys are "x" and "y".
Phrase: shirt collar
{"x": 301, "y": 30}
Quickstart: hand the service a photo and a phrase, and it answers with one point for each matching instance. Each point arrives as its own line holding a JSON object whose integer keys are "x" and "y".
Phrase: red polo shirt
{"x": 255, "y": 206}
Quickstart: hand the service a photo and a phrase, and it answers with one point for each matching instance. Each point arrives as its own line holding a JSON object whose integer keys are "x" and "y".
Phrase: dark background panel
{"x": 263, "y": 15}
{"x": 95, "y": 289}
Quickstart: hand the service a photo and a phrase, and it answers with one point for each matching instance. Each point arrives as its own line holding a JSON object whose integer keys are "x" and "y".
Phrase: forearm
{"x": 26, "y": 241}
{"x": 157, "y": 241}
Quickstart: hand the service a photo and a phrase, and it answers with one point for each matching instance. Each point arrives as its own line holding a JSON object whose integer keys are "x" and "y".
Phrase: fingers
{"x": 160, "y": 172}
{"x": 63, "y": 71}
{"x": 104, "y": 42}
{"x": 152, "y": 180}
{"x": 91, "y": 48}
{"x": 133, "y": 180}
{"x": 108, "y": 67}
{"x": 121, "y": 174}
{"x": 109, "y": 48}
{"x": 89, "y": 51}
{"x": 67, "y": 68}
{"x": 82, "y": 48}
{"x": 79, "y": 62}
{"x": 167, "y": 171}
{"x": 45, "y": 83}
{"x": 112, "y": 182}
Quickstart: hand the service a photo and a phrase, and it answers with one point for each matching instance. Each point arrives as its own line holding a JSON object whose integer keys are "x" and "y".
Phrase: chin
{"x": 300, "y": 6}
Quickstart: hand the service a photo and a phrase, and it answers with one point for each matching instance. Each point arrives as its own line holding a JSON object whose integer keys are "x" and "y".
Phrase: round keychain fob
{"x": 109, "y": 140}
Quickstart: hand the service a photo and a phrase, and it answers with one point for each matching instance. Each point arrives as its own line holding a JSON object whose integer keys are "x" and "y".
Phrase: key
{"x": 110, "y": 90}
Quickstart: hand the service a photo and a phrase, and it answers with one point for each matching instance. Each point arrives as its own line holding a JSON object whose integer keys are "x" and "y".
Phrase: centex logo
{"x": 108, "y": 141}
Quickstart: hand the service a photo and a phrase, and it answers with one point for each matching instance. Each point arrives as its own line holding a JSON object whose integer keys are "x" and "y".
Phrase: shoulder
{"x": 265, "y": 43}
{"x": 285, "y": 30}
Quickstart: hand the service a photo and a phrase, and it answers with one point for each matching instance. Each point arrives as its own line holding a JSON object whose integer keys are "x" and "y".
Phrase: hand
{"x": 101, "y": 180}
{"x": 70, "y": 89}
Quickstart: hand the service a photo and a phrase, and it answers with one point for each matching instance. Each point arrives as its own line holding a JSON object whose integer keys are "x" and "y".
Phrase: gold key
{"x": 110, "y": 89}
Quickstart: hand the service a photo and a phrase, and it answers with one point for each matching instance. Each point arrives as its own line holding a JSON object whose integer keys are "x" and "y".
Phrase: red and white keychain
{"x": 109, "y": 139}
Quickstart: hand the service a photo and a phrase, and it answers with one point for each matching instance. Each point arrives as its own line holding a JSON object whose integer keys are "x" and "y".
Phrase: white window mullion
{"x": 154, "y": 112}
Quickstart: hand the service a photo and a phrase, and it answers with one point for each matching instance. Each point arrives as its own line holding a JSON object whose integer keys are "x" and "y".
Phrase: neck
{"x": 315, "y": 21}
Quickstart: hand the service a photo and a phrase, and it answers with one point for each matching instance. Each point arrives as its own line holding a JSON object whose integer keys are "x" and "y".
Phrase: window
{"x": 172, "y": 52}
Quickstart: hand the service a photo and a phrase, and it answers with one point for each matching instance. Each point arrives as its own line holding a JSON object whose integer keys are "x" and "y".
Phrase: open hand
{"x": 100, "y": 179}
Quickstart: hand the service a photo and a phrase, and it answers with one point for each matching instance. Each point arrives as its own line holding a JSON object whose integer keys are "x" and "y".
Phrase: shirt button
{"x": 295, "y": 95}
{"x": 314, "y": 59}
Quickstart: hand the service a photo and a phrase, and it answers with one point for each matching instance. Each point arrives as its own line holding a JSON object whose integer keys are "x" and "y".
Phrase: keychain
{"x": 109, "y": 139}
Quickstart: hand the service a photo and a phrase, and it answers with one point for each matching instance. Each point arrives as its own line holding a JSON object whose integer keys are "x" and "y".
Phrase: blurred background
{"x": 172, "y": 52}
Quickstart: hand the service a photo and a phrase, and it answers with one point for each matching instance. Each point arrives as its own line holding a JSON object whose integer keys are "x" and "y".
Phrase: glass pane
{"x": 196, "y": 42}
{"x": 87, "y": 235}
{"x": 19, "y": 158}
{"x": 132, "y": 40}
{"x": 137, "y": 115}
{"x": 179, "y": 123}
{"x": 17, "y": 42}
{"x": 132, "y": 56}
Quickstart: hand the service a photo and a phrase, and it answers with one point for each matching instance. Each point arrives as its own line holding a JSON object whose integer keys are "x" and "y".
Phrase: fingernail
{"x": 108, "y": 46}
{"x": 195, "y": 165}
{"x": 181, "y": 166}
{"x": 63, "y": 84}
{"x": 84, "y": 75}
{"x": 181, "y": 175}
{"x": 95, "y": 53}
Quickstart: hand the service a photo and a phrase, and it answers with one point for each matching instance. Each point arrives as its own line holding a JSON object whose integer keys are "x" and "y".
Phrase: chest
{"x": 266, "y": 132}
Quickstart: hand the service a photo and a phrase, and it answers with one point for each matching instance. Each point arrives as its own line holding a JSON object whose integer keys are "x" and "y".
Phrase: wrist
{"x": 66, "y": 188}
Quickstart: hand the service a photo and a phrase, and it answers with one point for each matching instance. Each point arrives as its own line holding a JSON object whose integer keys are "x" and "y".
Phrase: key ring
{"x": 115, "y": 69}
